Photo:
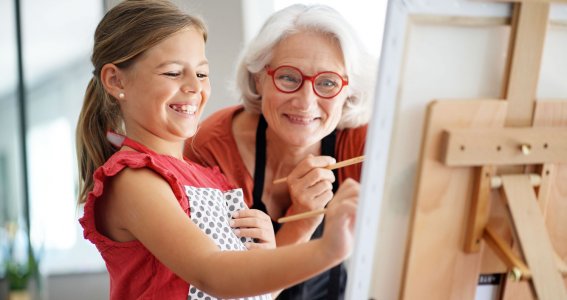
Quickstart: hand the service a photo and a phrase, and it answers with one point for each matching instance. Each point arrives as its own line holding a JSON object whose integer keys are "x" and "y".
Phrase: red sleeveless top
{"x": 135, "y": 273}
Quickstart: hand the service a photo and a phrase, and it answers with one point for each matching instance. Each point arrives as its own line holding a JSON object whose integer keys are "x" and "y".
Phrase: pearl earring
{"x": 121, "y": 95}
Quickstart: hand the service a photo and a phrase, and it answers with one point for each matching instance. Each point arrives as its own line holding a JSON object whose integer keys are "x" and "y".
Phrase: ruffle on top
{"x": 113, "y": 166}
{"x": 133, "y": 159}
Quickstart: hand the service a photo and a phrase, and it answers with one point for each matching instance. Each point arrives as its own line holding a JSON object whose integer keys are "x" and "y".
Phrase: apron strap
{"x": 327, "y": 148}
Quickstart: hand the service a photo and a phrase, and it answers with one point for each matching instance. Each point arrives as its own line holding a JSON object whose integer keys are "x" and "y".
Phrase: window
{"x": 57, "y": 41}
{"x": 11, "y": 177}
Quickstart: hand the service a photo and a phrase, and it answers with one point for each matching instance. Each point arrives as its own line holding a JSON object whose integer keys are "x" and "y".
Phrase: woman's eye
{"x": 328, "y": 83}
{"x": 288, "y": 78}
{"x": 202, "y": 75}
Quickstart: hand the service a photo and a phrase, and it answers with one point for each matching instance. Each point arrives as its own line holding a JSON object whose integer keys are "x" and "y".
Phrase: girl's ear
{"x": 112, "y": 80}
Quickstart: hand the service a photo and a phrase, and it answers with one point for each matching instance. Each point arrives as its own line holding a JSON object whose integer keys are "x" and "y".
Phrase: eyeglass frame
{"x": 271, "y": 72}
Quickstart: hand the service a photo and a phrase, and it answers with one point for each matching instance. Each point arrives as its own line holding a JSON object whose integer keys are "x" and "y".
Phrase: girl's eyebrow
{"x": 178, "y": 62}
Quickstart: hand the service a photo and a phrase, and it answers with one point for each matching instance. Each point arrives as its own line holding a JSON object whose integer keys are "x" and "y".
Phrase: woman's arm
{"x": 147, "y": 209}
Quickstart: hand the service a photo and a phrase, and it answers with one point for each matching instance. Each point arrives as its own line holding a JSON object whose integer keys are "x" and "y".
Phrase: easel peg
{"x": 515, "y": 274}
{"x": 496, "y": 181}
{"x": 526, "y": 149}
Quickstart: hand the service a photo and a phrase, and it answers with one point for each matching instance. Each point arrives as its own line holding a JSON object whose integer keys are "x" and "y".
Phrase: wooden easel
{"x": 480, "y": 160}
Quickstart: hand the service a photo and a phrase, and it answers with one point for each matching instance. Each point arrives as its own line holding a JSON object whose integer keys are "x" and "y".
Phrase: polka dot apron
{"x": 211, "y": 210}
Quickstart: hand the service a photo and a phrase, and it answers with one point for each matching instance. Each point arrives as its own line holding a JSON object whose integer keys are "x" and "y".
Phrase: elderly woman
{"x": 304, "y": 81}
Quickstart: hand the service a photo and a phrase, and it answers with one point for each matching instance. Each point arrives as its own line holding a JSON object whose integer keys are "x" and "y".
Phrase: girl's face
{"x": 302, "y": 118}
{"x": 167, "y": 88}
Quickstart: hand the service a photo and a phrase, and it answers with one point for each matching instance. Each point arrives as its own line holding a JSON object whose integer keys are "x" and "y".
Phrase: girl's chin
{"x": 190, "y": 133}
{"x": 184, "y": 132}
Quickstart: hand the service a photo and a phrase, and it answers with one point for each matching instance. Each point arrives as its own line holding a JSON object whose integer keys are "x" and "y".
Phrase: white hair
{"x": 297, "y": 18}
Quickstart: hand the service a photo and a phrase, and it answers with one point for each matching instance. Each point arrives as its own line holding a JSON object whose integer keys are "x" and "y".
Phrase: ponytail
{"x": 99, "y": 114}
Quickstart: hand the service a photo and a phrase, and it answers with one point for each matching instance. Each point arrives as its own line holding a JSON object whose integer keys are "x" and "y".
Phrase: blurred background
{"x": 45, "y": 49}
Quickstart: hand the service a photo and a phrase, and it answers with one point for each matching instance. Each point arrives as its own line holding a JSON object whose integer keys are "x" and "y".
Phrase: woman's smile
{"x": 301, "y": 120}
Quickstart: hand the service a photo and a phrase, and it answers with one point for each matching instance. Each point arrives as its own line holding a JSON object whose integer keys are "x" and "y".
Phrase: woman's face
{"x": 302, "y": 118}
{"x": 167, "y": 88}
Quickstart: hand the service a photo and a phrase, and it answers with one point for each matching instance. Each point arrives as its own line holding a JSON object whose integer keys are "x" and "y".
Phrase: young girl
{"x": 168, "y": 228}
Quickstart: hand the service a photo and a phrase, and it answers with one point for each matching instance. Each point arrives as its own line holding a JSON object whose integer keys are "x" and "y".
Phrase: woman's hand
{"x": 310, "y": 184}
{"x": 255, "y": 224}
{"x": 340, "y": 219}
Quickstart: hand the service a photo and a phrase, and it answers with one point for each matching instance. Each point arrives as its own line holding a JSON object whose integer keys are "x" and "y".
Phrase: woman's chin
{"x": 301, "y": 140}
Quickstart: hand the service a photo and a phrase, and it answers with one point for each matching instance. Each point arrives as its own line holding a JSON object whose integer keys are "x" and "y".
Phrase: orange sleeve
{"x": 350, "y": 143}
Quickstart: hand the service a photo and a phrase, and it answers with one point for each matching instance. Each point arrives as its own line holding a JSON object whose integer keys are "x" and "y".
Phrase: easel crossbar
{"x": 505, "y": 146}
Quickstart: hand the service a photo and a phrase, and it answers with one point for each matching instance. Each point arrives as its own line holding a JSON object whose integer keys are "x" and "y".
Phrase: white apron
{"x": 211, "y": 210}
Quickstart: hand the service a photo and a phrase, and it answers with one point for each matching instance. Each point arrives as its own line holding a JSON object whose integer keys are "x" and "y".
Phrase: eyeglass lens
{"x": 326, "y": 84}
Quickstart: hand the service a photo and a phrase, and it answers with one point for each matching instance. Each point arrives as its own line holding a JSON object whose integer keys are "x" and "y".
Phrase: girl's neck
{"x": 158, "y": 144}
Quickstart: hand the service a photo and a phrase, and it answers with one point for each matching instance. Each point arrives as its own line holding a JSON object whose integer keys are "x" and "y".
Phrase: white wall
{"x": 225, "y": 23}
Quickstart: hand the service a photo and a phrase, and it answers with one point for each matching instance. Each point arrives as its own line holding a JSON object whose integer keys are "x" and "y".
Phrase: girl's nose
{"x": 192, "y": 85}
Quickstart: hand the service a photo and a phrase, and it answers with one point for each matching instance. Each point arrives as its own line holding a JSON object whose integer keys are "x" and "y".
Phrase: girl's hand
{"x": 255, "y": 224}
{"x": 340, "y": 219}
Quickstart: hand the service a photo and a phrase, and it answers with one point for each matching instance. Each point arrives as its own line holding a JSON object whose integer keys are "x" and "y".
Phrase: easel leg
{"x": 528, "y": 222}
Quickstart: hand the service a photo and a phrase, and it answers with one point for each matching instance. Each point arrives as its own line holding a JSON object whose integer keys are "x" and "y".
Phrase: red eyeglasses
{"x": 288, "y": 79}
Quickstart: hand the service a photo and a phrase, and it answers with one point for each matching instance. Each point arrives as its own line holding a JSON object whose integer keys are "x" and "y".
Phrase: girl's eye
{"x": 172, "y": 74}
{"x": 202, "y": 75}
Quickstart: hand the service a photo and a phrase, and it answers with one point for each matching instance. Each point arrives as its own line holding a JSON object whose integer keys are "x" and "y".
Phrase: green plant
{"x": 19, "y": 275}
{"x": 20, "y": 269}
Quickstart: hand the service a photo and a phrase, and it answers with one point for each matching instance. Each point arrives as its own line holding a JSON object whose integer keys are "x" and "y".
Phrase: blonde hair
{"x": 359, "y": 64}
{"x": 125, "y": 32}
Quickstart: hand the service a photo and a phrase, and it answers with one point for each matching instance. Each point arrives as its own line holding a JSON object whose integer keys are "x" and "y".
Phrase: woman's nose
{"x": 306, "y": 96}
